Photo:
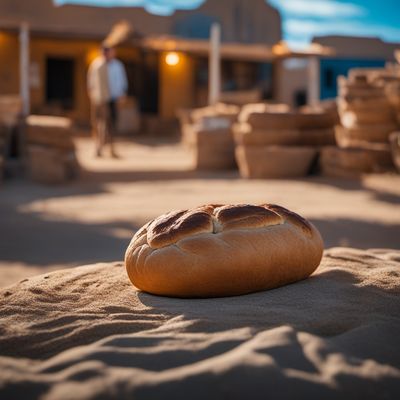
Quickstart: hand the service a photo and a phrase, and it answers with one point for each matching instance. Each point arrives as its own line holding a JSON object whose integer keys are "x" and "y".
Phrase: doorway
{"x": 60, "y": 82}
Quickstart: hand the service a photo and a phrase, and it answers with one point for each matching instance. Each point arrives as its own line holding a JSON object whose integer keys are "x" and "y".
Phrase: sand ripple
{"x": 87, "y": 333}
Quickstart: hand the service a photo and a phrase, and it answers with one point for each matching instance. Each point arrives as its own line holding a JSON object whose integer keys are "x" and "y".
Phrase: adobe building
{"x": 348, "y": 52}
{"x": 351, "y": 52}
{"x": 63, "y": 40}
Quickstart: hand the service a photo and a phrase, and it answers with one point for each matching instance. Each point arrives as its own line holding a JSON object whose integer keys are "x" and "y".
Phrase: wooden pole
{"x": 24, "y": 67}
{"x": 313, "y": 95}
{"x": 215, "y": 64}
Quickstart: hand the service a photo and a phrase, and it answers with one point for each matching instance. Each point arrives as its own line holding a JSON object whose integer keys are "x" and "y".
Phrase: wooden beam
{"x": 313, "y": 90}
{"x": 24, "y": 67}
{"x": 214, "y": 78}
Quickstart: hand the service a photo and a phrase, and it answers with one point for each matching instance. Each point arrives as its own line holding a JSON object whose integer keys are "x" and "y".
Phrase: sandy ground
{"x": 86, "y": 333}
{"x": 44, "y": 228}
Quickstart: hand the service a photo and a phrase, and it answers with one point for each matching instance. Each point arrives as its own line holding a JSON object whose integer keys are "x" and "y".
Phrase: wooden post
{"x": 277, "y": 76}
{"x": 214, "y": 81}
{"x": 313, "y": 90}
{"x": 24, "y": 67}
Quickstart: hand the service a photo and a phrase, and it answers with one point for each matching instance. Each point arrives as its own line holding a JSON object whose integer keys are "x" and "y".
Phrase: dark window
{"x": 143, "y": 81}
{"x": 238, "y": 75}
{"x": 134, "y": 75}
{"x": 329, "y": 78}
{"x": 60, "y": 82}
{"x": 201, "y": 71}
{"x": 300, "y": 98}
{"x": 266, "y": 80}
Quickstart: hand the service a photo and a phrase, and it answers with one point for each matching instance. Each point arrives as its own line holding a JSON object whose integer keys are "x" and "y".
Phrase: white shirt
{"x": 97, "y": 81}
{"x": 117, "y": 81}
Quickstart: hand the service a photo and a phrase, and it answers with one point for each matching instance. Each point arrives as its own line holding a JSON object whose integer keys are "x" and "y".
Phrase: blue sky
{"x": 303, "y": 19}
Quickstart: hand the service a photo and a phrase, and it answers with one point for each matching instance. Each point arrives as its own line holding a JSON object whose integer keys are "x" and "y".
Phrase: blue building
{"x": 332, "y": 68}
{"x": 350, "y": 52}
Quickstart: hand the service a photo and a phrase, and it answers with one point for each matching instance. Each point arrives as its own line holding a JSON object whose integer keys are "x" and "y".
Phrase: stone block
{"x": 245, "y": 135}
{"x": 212, "y": 149}
{"x": 218, "y": 110}
{"x": 10, "y": 110}
{"x": 51, "y": 165}
{"x": 315, "y": 118}
{"x": 374, "y": 105}
{"x": 378, "y": 133}
{"x": 350, "y": 118}
{"x": 261, "y": 108}
{"x": 263, "y": 162}
{"x": 317, "y": 137}
{"x": 49, "y": 131}
{"x": 273, "y": 120}
{"x": 354, "y": 161}
{"x": 395, "y": 149}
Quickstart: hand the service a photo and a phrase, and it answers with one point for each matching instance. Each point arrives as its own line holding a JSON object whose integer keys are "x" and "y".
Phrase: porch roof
{"x": 237, "y": 51}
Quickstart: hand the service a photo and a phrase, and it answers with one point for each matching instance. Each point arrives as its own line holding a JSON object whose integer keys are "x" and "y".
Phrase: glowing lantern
{"x": 172, "y": 59}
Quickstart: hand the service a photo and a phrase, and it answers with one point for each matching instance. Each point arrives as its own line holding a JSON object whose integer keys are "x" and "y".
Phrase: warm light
{"x": 172, "y": 59}
{"x": 91, "y": 55}
{"x": 3, "y": 37}
{"x": 281, "y": 48}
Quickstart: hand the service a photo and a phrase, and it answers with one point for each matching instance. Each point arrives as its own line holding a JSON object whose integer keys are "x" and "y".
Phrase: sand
{"x": 45, "y": 228}
{"x": 87, "y": 333}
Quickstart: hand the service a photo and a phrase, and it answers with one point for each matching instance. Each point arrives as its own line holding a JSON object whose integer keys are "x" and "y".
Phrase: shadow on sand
{"x": 354, "y": 184}
{"x": 359, "y": 234}
{"x": 27, "y": 237}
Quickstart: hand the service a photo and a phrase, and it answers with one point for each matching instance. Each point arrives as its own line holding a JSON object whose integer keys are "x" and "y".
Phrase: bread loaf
{"x": 222, "y": 250}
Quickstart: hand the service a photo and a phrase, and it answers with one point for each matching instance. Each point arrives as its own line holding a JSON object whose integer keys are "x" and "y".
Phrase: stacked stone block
{"x": 368, "y": 117}
{"x": 51, "y": 150}
{"x": 395, "y": 148}
{"x": 207, "y": 133}
{"x": 10, "y": 123}
{"x": 273, "y": 141}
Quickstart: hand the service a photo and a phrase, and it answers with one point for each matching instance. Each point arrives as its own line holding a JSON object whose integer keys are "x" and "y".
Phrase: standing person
{"x": 106, "y": 82}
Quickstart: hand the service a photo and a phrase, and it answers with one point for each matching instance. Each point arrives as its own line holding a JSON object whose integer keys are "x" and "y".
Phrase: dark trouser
{"x": 104, "y": 120}
{"x": 112, "y": 106}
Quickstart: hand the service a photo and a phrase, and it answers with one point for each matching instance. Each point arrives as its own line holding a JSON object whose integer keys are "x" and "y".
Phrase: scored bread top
{"x": 169, "y": 228}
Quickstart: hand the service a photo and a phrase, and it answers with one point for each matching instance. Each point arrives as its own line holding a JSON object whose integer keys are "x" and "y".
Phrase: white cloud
{"x": 163, "y": 7}
{"x": 159, "y": 9}
{"x": 298, "y": 32}
{"x": 318, "y": 8}
{"x": 304, "y": 19}
{"x": 102, "y": 3}
{"x": 166, "y": 7}
{"x": 294, "y": 27}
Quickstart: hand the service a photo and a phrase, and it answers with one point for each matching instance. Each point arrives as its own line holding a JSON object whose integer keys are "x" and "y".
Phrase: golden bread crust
{"x": 222, "y": 250}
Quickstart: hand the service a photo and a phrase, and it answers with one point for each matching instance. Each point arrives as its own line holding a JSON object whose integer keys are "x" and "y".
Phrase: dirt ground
{"x": 92, "y": 219}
